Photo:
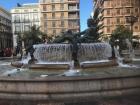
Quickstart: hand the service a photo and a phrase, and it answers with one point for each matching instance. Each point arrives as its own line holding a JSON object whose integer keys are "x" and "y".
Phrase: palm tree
{"x": 31, "y": 37}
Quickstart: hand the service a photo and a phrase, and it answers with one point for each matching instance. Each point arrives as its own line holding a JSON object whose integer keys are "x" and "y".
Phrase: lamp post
{"x": 131, "y": 19}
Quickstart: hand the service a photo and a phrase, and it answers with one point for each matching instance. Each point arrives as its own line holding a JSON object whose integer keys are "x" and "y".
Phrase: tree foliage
{"x": 33, "y": 36}
{"x": 119, "y": 35}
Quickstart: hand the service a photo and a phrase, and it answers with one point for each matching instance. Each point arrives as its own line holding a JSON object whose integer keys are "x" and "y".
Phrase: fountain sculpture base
{"x": 17, "y": 64}
{"x": 49, "y": 66}
{"x": 96, "y": 64}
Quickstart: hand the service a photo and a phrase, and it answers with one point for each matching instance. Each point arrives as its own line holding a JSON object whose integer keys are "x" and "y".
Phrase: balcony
{"x": 16, "y": 21}
{"x": 72, "y": 1}
{"x": 100, "y": 23}
{"x": 73, "y": 17}
{"x": 26, "y": 20}
{"x": 17, "y": 32}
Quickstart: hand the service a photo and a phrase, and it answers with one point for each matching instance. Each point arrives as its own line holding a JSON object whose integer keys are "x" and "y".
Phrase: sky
{"x": 85, "y": 8}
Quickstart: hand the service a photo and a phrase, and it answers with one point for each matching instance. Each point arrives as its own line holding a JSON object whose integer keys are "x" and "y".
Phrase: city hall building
{"x": 6, "y": 38}
{"x": 23, "y": 18}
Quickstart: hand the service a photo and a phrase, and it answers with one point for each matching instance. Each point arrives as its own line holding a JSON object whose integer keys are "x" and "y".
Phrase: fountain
{"x": 130, "y": 53}
{"x": 58, "y": 56}
{"x": 78, "y": 79}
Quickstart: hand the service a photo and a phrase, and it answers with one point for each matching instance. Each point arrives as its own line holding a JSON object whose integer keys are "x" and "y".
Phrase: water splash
{"x": 97, "y": 61}
{"x": 13, "y": 71}
{"x": 120, "y": 60}
{"x": 25, "y": 59}
{"x": 71, "y": 73}
{"x": 43, "y": 76}
{"x": 6, "y": 63}
{"x": 130, "y": 48}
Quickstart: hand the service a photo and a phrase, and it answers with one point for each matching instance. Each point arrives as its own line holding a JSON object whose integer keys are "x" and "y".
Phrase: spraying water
{"x": 94, "y": 52}
{"x": 53, "y": 53}
{"x": 130, "y": 49}
{"x": 120, "y": 60}
{"x": 25, "y": 59}
{"x": 13, "y": 71}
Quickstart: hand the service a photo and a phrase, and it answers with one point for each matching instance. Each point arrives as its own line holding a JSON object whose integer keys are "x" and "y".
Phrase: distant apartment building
{"x": 23, "y": 17}
{"x": 59, "y": 15}
{"x": 6, "y": 39}
{"x": 117, "y": 12}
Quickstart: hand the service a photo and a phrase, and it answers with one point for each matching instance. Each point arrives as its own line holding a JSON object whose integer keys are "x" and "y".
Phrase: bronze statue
{"x": 89, "y": 35}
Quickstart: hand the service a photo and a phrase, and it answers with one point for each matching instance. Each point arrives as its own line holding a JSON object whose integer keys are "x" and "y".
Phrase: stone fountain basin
{"x": 68, "y": 89}
{"x": 50, "y": 66}
{"x": 65, "y": 66}
{"x": 100, "y": 63}
{"x": 57, "y": 66}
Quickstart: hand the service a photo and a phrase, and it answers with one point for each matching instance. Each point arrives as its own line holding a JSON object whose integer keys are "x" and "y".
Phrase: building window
{"x": 44, "y": 1}
{"x": 136, "y": 10}
{"x": 127, "y": 2}
{"x": 44, "y": 8}
{"x": 108, "y": 3}
{"x": 62, "y": 7}
{"x": 16, "y": 11}
{"x": 53, "y": 7}
{"x": 61, "y": 0}
{"x": 26, "y": 18}
{"x": 118, "y": 20}
{"x": 53, "y": 15}
{"x": 136, "y": 28}
{"x": 35, "y": 17}
{"x": 45, "y": 24}
{"x": 17, "y": 18}
{"x": 62, "y": 23}
{"x": 54, "y": 32}
{"x": 108, "y": 12}
{"x": 26, "y": 28}
{"x": 52, "y": 1}
{"x": 35, "y": 10}
{"x": 73, "y": 23}
{"x": 108, "y": 29}
{"x": 25, "y": 10}
{"x": 118, "y": 12}
{"x": 53, "y": 24}
{"x": 138, "y": 20}
{"x": 128, "y": 10}
{"x": 45, "y": 16}
{"x": 72, "y": 7}
{"x": 17, "y": 29}
{"x": 62, "y": 14}
{"x": 108, "y": 21}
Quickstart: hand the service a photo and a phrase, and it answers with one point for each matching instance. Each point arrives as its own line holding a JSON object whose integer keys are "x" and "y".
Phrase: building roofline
{"x": 28, "y": 4}
{"x": 5, "y": 11}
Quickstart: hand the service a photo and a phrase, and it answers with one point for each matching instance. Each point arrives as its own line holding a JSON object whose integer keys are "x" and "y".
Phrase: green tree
{"x": 31, "y": 37}
{"x": 119, "y": 35}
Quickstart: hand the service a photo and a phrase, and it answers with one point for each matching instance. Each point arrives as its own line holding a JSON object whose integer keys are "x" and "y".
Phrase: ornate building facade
{"x": 59, "y": 15}
{"x": 6, "y": 40}
{"x": 23, "y": 17}
{"x": 117, "y": 12}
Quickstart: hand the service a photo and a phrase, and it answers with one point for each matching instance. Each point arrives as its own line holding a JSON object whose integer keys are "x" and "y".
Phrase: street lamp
{"x": 131, "y": 19}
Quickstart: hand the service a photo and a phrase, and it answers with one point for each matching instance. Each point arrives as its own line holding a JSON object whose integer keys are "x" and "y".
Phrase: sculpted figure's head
{"x": 90, "y": 22}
